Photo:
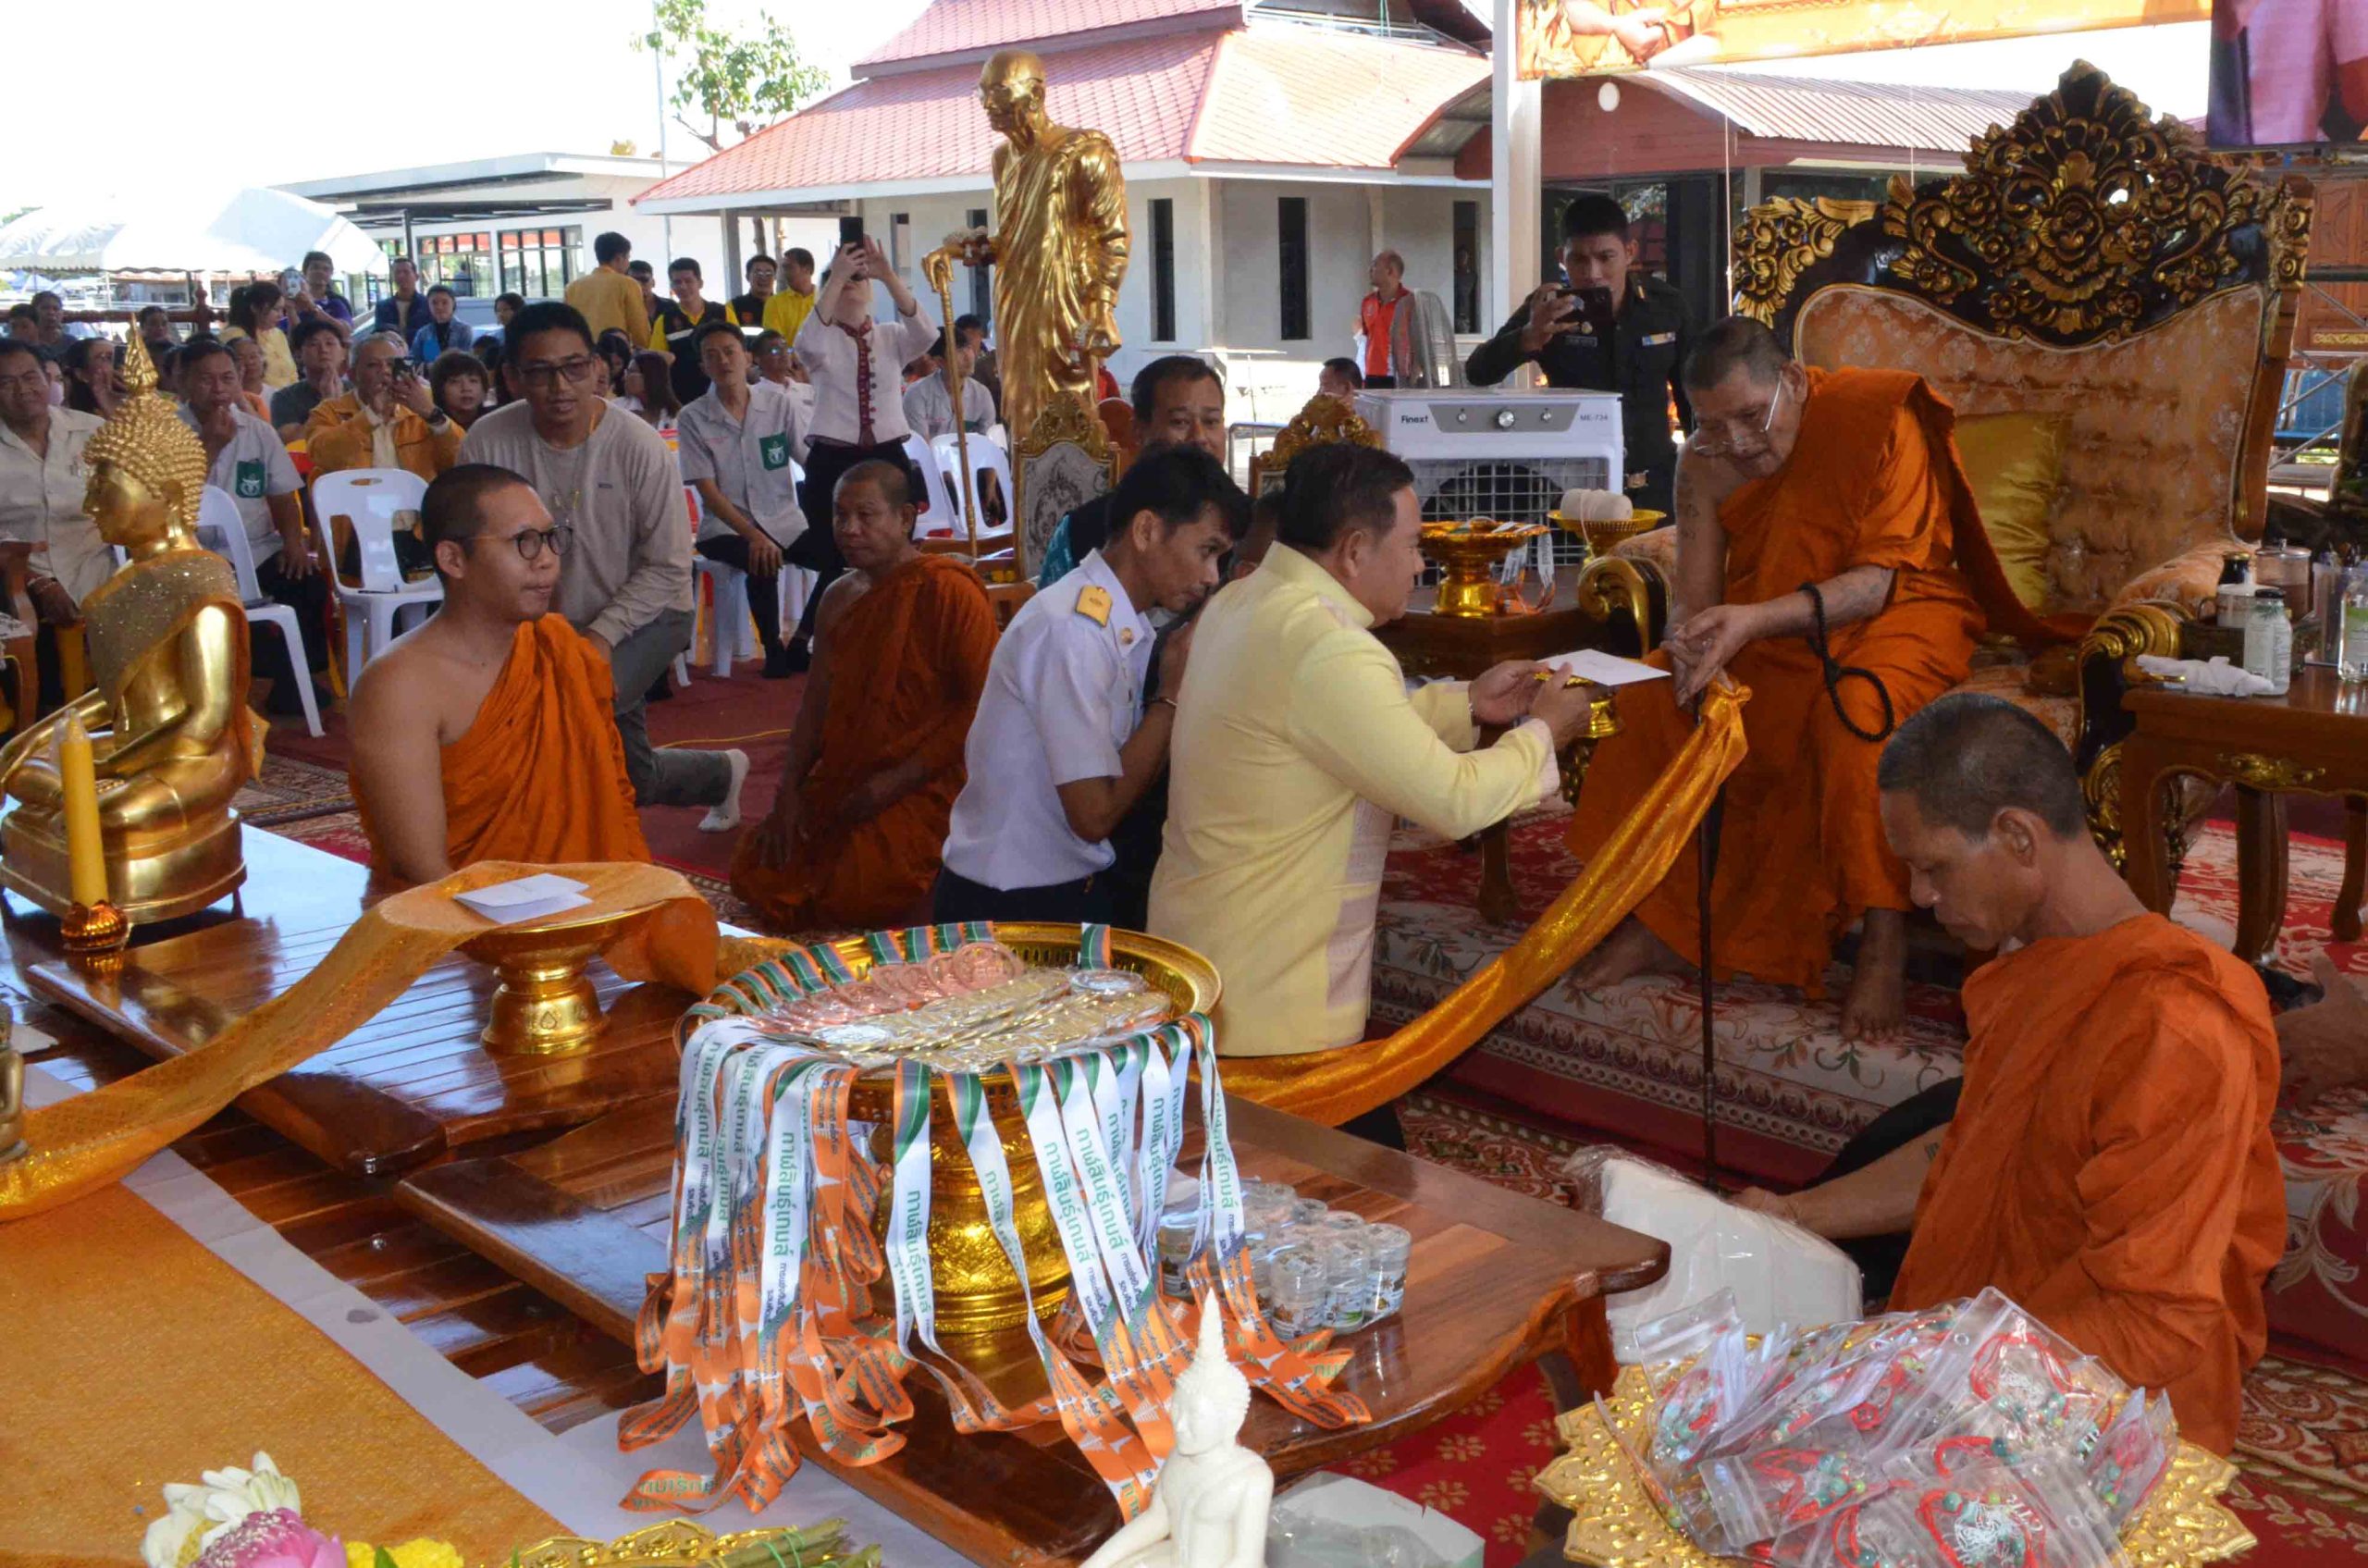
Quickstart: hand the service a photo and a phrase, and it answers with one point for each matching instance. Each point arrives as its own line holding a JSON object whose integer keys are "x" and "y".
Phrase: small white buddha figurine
{"x": 1209, "y": 1509}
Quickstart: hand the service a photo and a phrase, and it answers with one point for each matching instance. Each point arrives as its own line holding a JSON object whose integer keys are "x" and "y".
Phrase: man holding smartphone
{"x": 390, "y": 420}
{"x": 1611, "y": 327}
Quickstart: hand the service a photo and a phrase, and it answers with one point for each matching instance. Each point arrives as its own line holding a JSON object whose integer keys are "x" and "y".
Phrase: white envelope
{"x": 1606, "y": 669}
{"x": 526, "y": 898}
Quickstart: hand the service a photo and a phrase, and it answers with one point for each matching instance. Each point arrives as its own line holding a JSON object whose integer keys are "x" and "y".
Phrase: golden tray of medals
{"x": 971, "y": 1010}
{"x": 1616, "y": 1522}
{"x": 1471, "y": 554}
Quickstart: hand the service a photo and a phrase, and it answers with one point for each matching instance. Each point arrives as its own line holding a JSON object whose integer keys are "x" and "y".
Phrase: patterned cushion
{"x": 2136, "y": 490}
{"x": 2061, "y": 714}
{"x": 1659, "y": 547}
{"x": 2189, "y": 578}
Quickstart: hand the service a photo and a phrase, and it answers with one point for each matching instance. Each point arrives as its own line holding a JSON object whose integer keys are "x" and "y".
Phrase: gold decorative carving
{"x": 1783, "y": 238}
{"x": 2101, "y": 794}
{"x": 1322, "y": 422}
{"x": 679, "y": 1543}
{"x": 1612, "y": 583}
{"x": 1615, "y": 1525}
{"x": 1066, "y": 420}
{"x": 2256, "y": 771}
{"x": 2085, "y": 220}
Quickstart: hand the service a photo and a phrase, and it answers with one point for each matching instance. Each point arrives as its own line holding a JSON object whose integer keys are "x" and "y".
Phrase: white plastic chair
{"x": 223, "y": 531}
{"x": 985, "y": 458}
{"x": 734, "y": 634}
{"x": 941, "y": 517}
{"x": 368, "y": 499}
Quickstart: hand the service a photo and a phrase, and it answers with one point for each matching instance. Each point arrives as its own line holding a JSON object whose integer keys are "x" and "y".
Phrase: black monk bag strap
{"x": 1836, "y": 672}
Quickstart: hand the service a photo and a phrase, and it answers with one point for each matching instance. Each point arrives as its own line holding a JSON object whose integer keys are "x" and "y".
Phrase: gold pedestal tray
{"x": 1603, "y": 534}
{"x": 1471, "y": 554}
{"x": 546, "y": 1005}
{"x": 1614, "y": 1523}
{"x": 977, "y": 1292}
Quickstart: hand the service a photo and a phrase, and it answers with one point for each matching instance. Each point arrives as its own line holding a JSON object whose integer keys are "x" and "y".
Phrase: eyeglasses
{"x": 543, "y": 377}
{"x": 531, "y": 542}
{"x": 1708, "y": 445}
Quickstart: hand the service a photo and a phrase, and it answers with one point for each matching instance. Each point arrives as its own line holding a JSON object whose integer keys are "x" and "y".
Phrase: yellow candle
{"x": 86, "y": 858}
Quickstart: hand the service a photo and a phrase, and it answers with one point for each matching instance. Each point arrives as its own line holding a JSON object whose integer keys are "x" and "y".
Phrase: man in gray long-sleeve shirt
{"x": 625, "y": 571}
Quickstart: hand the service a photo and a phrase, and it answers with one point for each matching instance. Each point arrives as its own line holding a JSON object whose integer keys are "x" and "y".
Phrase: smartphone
{"x": 403, "y": 367}
{"x": 1594, "y": 316}
{"x": 291, "y": 281}
{"x": 850, "y": 232}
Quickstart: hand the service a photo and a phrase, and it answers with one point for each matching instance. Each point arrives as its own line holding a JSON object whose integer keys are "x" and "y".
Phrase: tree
{"x": 743, "y": 80}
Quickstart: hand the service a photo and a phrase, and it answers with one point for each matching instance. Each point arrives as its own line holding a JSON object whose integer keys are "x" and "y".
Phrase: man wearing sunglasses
{"x": 1829, "y": 558}
{"x": 626, "y": 579}
{"x": 487, "y": 734}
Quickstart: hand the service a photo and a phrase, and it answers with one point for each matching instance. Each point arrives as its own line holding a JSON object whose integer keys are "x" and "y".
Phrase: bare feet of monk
{"x": 1632, "y": 949}
{"x": 1877, "y": 1004}
{"x": 725, "y": 816}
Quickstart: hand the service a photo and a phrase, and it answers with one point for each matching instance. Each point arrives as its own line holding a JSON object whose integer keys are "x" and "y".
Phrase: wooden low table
{"x": 1495, "y": 1281}
{"x": 1464, "y": 647}
{"x": 407, "y": 1087}
{"x": 2312, "y": 740}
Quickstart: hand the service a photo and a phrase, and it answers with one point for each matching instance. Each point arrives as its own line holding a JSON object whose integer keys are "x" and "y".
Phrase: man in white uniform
{"x": 929, "y": 402}
{"x": 736, "y": 443}
{"x": 1064, "y": 743}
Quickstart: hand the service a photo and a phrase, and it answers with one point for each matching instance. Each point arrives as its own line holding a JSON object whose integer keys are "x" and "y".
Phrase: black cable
{"x": 1836, "y": 672}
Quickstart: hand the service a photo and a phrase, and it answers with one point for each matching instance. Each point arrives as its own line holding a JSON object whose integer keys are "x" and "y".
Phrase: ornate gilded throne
{"x": 2092, "y": 265}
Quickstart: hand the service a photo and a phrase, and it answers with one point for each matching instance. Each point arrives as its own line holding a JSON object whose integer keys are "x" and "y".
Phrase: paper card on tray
{"x": 527, "y": 898}
{"x": 1606, "y": 669}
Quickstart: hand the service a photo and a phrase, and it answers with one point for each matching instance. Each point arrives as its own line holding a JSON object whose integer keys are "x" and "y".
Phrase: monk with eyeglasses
{"x": 1814, "y": 507}
{"x": 488, "y": 733}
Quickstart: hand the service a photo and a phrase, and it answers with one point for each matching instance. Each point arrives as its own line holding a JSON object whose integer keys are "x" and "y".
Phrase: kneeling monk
{"x": 1810, "y": 504}
{"x": 489, "y": 734}
{"x": 901, "y": 648}
{"x": 2109, "y": 1165}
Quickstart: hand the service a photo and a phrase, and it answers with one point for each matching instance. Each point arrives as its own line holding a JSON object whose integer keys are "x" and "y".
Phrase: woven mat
{"x": 130, "y": 1356}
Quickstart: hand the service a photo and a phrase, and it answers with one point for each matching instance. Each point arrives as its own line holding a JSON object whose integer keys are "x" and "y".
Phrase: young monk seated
{"x": 1801, "y": 490}
{"x": 901, "y": 648}
{"x": 489, "y": 734}
{"x": 2109, "y": 1165}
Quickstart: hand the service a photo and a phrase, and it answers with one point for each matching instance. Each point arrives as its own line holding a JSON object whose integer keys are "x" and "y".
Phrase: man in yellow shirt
{"x": 793, "y": 302}
{"x": 606, "y": 296}
{"x": 1297, "y": 746}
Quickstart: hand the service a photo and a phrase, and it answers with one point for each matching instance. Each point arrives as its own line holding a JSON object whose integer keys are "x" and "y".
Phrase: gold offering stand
{"x": 1602, "y": 535}
{"x": 1615, "y": 1522}
{"x": 545, "y": 1005}
{"x": 1472, "y": 554}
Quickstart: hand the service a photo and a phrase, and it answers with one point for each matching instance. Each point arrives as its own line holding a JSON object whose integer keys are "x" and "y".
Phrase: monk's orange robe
{"x": 539, "y": 775}
{"x": 1874, "y": 481}
{"x": 907, "y": 662}
{"x": 2110, "y": 1166}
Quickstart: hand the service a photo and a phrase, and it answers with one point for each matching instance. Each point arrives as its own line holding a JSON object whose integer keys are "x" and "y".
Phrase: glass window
{"x": 1163, "y": 270}
{"x": 1291, "y": 218}
{"x": 982, "y": 282}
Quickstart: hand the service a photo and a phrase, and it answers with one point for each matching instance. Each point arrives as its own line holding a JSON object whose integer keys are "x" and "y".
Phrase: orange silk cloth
{"x": 540, "y": 774}
{"x": 80, "y": 1144}
{"x": 2111, "y": 1166}
{"x": 116, "y": 1388}
{"x": 907, "y": 661}
{"x": 1334, "y": 1086}
{"x": 1874, "y": 481}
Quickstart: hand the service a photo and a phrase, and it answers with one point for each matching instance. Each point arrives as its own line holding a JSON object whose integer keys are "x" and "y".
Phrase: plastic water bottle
{"x": 2351, "y": 662}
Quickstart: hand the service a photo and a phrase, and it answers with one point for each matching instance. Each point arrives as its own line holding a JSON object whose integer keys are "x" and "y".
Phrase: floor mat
{"x": 292, "y": 788}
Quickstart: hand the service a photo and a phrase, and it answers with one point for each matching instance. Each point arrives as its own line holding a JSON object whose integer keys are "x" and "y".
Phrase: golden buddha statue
{"x": 12, "y": 1089}
{"x": 171, "y": 733}
{"x": 1059, "y": 246}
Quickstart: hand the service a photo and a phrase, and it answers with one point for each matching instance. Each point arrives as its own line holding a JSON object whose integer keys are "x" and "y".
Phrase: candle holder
{"x": 95, "y": 935}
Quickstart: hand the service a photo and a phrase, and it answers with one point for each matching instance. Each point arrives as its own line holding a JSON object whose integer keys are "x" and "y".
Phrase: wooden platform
{"x": 1495, "y": 1280}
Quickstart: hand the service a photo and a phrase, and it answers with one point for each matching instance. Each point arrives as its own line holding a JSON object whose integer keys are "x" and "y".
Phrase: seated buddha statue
{"x": 171, "y": 734}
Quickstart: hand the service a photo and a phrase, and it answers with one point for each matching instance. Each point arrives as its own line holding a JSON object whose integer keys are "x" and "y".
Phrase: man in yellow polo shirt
{"x": 794, "y": 300}
{"x": 607, "y": 297}
{"x": 1297, "y": 746}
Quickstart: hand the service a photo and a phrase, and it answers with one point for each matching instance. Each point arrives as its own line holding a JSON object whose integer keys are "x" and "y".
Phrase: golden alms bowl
{"x": 1470, "y": 555}
{"x": 1604, "y": 533}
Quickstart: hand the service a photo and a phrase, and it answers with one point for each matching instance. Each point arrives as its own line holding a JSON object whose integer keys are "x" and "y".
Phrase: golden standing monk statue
{"x": 1059, "y": 244}
{"x": 171, "y": 732}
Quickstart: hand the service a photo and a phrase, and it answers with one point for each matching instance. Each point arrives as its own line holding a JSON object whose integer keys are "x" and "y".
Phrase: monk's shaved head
{"x": 896, "y": 485}
{"x": 1967, "y": 758}
{"x": 1738, "y": 343}
{"x": 454, "y": 506}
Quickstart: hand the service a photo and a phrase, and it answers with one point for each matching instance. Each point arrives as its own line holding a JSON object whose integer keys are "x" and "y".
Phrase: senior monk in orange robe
{"x": 1847, "y": 482}
{"x": 2109, "y": 1164}
{"x": 488, "y": 733}
{"x": 901, "y": 647}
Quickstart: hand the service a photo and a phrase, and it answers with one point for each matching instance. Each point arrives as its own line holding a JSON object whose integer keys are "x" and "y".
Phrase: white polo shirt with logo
{"x": 748, "y": 459}
{"x": 250, "y": 469}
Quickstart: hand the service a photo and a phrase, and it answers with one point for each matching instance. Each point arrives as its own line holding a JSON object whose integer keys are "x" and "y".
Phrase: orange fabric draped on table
{"x": 2111, "y": 1166}
{"x": 1872, "y": 481}
{"x": 1334, "y": 1086}
{"x": 136, "y": 1357}
{"x": 539, "y": 775}
{"x": 906, "y": 664}
{"x": 93, "y": 1139}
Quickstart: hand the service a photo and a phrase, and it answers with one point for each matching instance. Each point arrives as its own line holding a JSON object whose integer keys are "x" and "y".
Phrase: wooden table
{"x": 2314, "y": 740}
{"x": 1462, "y": 648}
{"x": 1495, "y": 1280}
{"x": 408, "y": 1086}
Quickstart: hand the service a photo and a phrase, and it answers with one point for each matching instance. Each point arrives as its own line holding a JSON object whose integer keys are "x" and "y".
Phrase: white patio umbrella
{"x": 252, "y": 229}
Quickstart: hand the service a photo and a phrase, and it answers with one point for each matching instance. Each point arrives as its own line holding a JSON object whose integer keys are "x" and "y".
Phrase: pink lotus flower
{"x": 276, "y": 1538}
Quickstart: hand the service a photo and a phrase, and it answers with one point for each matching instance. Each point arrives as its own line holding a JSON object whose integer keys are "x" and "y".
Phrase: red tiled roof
{"x": 1279, "y": 95}
{"x": 955, "y": 27}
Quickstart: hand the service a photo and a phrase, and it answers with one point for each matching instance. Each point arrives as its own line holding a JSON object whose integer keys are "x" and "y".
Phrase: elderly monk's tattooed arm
{"x": 1857, "y": 595}
{"x": 1702, "y": 485}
